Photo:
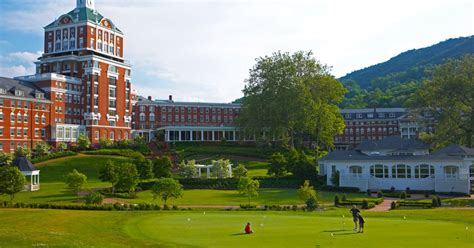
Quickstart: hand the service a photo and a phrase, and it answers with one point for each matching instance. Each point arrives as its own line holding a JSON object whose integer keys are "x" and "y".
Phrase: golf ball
{"x": 189, "y": 219}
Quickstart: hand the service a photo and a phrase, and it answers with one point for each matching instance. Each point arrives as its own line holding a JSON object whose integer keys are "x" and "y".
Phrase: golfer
{"x": 361, "y": 223}
{"x": 355, "y": 212}
{"x": 248, "y": 229}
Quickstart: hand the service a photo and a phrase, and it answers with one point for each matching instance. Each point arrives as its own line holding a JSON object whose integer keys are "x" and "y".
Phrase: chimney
{"x": 149, "y": 98}
{"x": 170, "y": 98}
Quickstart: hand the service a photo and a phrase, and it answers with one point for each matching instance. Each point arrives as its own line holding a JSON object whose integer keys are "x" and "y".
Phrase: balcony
{"x": 92, "y": 116}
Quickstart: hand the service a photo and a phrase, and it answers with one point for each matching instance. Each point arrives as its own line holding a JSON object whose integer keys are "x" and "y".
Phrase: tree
{"x": 220, "y": 168}
{"x": 240, "y": 171}
{"x": 128, "y": 177}
{"x": 335, "y": 178}
{"x": 109, "y": 174}
{"x": 22, "y": 152}
{"x": 449, "y": 98}
{"x": 278, "y": 165}
{"x": 187, "y": 169}
{"x": 62, "y": 147}
{"x": 305, "y": 167}
{"x": 75, "y": 181}
{"x": 306, "y": 191}
{"x": 41, "y": 148}
{"x": 145, "y": 168}
{"x": 292, "y": 96}
{"x": 166, "y": 188}
{"x": 83, "y": 143}
{"x": 5, "y": 159}
{"x": 162, "y": 167}
{"x": 105, "y": 143}
{"x": 12, "y": 181}
{"x": 248, "y": 187}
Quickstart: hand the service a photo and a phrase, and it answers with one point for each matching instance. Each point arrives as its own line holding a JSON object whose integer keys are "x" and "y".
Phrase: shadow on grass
{"x": 238, "y": 234}
{"x": 340, "y": 230}
{"x": 348, "y": 233}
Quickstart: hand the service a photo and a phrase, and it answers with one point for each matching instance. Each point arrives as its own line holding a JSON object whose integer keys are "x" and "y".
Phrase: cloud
{"x": 28, "y": 57}
{"x": 18, "y": 64}
{"x": 16, "y": 71}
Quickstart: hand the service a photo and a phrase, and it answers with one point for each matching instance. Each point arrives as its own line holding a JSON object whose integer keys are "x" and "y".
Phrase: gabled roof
{"x": 84, "y": 15}
{"x": 455, "y": 150}
{"x": 10, "y": 85}
{"x": 23, "y": 164}
{"x": 392, "y": 143}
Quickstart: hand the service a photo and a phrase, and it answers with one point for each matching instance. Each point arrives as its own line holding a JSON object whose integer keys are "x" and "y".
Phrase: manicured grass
{"x": 186, "y": 150}
{"x": 422, "y": 228}
{"x": 52, "y": 179}
{"x": 233, "y": 198}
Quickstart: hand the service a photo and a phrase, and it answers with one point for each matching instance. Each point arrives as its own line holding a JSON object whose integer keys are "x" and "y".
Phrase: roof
{"x": 145, "y": 101}
{"x": 10, "y": 85}
{"x": 352, "y": 155}
{"x": 392, "y": 143}
{"x": 23, "y": 164}
{"x": 373, "y": 110}
{"x": 455, "y": 150}
{"x": 84, "y": 14}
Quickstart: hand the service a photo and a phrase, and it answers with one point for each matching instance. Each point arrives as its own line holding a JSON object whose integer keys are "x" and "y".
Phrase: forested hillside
{"x": 390, "y": 83}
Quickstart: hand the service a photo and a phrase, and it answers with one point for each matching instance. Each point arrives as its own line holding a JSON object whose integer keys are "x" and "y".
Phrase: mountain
{"x": 410, "y": 65}
{"x": 389, "y": 84}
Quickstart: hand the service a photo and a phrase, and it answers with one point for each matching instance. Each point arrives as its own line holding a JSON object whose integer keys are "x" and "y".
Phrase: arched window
{"x": 424, "y": 171}
{"x": 451, "y": 171}
{"x": 152, "y": 117}
{"x": 112, "y": 135}
{"x": 401, "y": 171}
{"x": 142, "y": 117}
{"x": 378, "y": 170}
{"x": 355, "y": 170}
{"x": 25, "y": 118}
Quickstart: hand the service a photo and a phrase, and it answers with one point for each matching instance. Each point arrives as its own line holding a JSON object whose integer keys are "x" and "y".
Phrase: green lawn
{"x": 420, "y": 228}
{"x": 52, "y": 176}
{"x": 232, "y": 197}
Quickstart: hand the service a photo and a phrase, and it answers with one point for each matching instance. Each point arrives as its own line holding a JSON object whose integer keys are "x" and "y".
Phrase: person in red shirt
{"x": 248, "y": 229}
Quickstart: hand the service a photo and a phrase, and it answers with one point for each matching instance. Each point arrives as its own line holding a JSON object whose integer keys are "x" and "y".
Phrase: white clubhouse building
{"x": 401, "y": 163}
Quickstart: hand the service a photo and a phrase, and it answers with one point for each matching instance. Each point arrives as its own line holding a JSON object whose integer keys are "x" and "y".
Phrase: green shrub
{"x": 337, "y": 202}
{"x": 311, "y": 203}
{"x": 247, "y": 206}
{"x": 52, "y": 156}
{"x": 434, "y": 202}
{"x": 403, "y": 195}
{"x": 116, "y": 152}
{"x": 393, "y": 205}
{"x": 379, "y": 194}
{"x": 365, "y": 204}
{"x": 344, "y": 197}
{"x": 94, "y": 198}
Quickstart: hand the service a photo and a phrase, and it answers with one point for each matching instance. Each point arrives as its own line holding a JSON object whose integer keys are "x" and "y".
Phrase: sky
{"x": 202, "y": 50}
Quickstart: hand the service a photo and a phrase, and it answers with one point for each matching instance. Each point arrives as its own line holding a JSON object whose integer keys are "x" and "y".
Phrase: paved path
{"x": 384, "y": 206}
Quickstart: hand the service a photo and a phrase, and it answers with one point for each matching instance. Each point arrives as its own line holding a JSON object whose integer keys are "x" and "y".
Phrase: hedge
{"x": 413, "y": 204}
{"x": 339, "y": 189}
{"x": 52, "y": 156}
{"x": 107, "y": 207}
{"x": 232, "y": 183}
{"x": 116, "y": 152}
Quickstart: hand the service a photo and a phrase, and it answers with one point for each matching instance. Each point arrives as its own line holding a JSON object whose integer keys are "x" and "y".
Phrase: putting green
{"x": 421, "y": 228}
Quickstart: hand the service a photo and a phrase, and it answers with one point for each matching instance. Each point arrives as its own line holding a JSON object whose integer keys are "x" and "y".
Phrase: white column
{"x": 208, "y": 172}
{"x": 202, "y": 135}
{"x": 191, "y": 135}
{"x": 212, "y": 135}
{"x": 167, "y": 136}
{"x": 179, "y": 135}
{"x": 31, "y": 179}
{"x": 223, "y": 135}
{"x": 234, "y": 136}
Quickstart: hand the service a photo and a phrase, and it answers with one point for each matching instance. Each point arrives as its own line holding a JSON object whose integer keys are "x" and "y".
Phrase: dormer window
{"x": 359, "y": 116}
{"x": 19, "y": 93}
{"x": 3, "y": 91}
{"x": 39, "y": 95}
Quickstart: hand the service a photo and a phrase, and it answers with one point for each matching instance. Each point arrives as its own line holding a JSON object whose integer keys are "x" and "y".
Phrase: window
{"x": 1, "y": 116}
{"x": 112, "y": 135}
{"x": 471, "y": 170}
{"x": 25, "y": 118}
{"x": 401, "y": 171}
{"x": 379, "y": 171}
{"x": 152, "y": 117}
{"x": 1, "y": 131}
{"x": 96, "y": 135}
{"x": 424, "y": 171}
{"x": 81, "y": 42}
{"x": 142, "y": 117}
{"x": 355, "y": 171}
{"x": 451, "y": 171}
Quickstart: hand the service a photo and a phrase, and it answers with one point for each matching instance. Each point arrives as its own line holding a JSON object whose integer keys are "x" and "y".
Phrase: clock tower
{"x": 86, "y": 3}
